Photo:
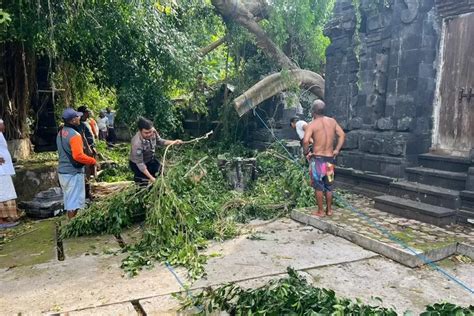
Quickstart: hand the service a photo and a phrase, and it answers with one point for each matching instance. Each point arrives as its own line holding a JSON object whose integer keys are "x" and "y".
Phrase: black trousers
{"x": 153, "y": 167}
{"x": 111, "y": 136}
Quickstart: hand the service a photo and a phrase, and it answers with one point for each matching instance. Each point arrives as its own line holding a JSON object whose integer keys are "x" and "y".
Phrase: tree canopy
{"x": 138, "y": 55}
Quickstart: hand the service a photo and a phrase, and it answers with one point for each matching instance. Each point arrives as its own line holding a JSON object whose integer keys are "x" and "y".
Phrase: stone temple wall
{"x": 381, "y": 80}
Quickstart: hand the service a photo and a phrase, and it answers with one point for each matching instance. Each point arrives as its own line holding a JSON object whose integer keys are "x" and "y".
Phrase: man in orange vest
{"x": 72, "y": 160}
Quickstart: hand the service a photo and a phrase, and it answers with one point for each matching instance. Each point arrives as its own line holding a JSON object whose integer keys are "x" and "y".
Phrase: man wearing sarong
{"x": 8, "y": 210}
{"x": 322, "y": 131}
{"x": 72, "y": 160}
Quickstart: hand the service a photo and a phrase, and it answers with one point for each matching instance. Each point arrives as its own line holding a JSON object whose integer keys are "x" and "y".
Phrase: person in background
{"x": 93, "y": 125}
{"x": 102, "y": 124}
{"x": 322, "y": 159}
{"x": 85, "y": 130}
{"x": 143, "y": 162}
{"x": 72, "y": 160}
{"x": 299, "y": 126}
{"x": 8, "y": 209}
{"x": 111, "y": 137}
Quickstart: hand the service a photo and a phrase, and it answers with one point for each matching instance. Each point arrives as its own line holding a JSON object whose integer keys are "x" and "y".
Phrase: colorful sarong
{"x": 8, "y": 210}
{"x": 321, "y": 171}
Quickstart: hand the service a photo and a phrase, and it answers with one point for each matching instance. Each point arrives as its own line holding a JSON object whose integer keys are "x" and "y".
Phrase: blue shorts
{"x": 74, "y": 191}
{"x": 318, "y": 172}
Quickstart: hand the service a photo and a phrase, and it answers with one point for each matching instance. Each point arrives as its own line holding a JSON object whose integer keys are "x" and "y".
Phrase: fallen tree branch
{"x": 206, "y": 50}
{"x": 195, "y": 140}
{"x": 275, "y": 83}
{"x": 196, "y": 165}
{"x": 238, "y": 12}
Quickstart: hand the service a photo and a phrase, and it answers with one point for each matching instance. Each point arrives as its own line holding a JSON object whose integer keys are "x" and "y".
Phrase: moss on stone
{"x": 34, "y": 247}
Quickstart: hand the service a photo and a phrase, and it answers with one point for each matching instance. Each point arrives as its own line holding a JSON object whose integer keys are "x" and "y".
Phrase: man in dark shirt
{"x": 143, "y": 162}
{"x": 89, "y": 147}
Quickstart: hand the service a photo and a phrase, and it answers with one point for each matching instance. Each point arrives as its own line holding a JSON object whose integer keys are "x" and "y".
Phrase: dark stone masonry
{"x": 381, "y": 81}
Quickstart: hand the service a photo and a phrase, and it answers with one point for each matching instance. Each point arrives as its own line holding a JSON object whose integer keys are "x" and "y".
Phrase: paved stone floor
{"x": 416, "y": 234}
{"x": 90, "y": 281}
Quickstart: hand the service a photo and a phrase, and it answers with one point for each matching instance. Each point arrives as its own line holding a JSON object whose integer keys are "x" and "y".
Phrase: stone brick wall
{"x": 381, "y": 81}
{"x": 447, "y": 8}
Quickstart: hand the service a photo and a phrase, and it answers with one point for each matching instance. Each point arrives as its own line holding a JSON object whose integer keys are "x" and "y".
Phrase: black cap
{"x": 83, "y": 109}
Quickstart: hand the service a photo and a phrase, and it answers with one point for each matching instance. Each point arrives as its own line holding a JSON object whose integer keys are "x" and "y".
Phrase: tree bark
{"x": 259, "y": 9}
{"x": 17, "y": 87}
{"x": 236, "y": 11}
{"x": 275, "y": 83}
{"x": 206, "y": 50}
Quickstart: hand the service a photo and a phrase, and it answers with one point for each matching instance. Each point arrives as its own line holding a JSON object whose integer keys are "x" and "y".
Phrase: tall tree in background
{"x": 143, "y": 53}
{"x": 239, "y": 13}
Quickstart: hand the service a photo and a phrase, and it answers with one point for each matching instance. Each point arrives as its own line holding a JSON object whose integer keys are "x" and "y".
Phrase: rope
{"x": 383, "y": 230}
{"x": 273, "y": 134}
{"x": 170, "y": 268}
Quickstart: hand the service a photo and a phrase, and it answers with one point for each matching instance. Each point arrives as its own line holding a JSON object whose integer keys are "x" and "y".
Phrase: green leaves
{"x": 132, "y": 49}
{"x": 445, "y": 309}
{"x": 292, "y": 295}
{"x": 4, "y": 18}
{"x": 182, "y": 213}
{"x": 107, "y": 216}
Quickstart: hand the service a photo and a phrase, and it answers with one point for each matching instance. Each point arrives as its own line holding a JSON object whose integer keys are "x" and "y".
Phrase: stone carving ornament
{"x": 410, "y": 13}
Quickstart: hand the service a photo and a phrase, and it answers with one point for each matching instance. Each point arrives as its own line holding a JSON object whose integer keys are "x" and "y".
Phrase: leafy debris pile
{"x": 294, "y": 295}
{"x": 186, "y": 209}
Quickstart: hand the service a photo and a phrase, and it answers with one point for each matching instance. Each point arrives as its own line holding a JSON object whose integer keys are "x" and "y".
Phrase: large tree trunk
{"x": 275, "y": 83}
{"x": 17, "y": 85}
{"x": 259, "y": 9}
{"x": 236, "y": 11}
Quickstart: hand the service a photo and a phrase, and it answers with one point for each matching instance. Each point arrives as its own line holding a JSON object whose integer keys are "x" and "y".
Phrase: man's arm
{"x": 137, "y": 158}
{"x": 78, "y": 153}
{"x": 165, "y": 142}
{"x": 88, "y": 134}
{"x": 172, "y": 142}
{"x": 95, "y": 128}
{"x": 308, "y": 135}
{"x": 341, "y": 136}
{"x": 148, "y": 175}
{"x": 304, "y": 129}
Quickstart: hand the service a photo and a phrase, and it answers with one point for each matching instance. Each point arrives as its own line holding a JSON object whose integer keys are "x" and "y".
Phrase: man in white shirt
{"x": 111, "y": 137}
{"x": 8, "y": 210}
{"x": 299, "y": 126}
{"x": 102, "y": 124}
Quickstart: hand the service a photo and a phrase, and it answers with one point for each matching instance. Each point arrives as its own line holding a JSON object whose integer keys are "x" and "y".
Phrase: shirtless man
{"x": 322, "y": 131}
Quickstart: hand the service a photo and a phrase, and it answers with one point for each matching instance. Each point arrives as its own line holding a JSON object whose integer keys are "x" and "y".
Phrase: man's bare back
{"x": 322, "y": 131}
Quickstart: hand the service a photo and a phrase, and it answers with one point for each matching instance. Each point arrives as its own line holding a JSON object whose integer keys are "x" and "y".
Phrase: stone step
{"x": 441, "y": 162}
{"x": 465, "y": 217}
{"x": 428, "y": 194}
{"x": 427, "y": 213}
{"x": 445, "y": 179}
{"x": 467, "y": 207}
{"x": 362, "y": 182}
